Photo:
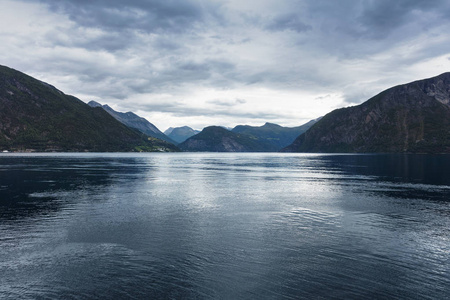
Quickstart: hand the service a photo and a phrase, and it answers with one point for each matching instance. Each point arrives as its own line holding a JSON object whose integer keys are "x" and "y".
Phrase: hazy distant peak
{"x": 93, "y": 103}
{"x": 180, "y": 134}
{"x": 168, "y": 131}
{"x": 184, "y": 128}
{"x": 268, "y": 124}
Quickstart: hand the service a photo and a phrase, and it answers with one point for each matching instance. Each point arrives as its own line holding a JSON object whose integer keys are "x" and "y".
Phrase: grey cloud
{"x": 357, "y": 29}
{"x": 147, "y": 16}
{"x": 167, "y": 44}
{"x": 289, "y": 21}
{"x": 179, "y": 109}
{"x": 115, "y": 49}
{"x": 384, "y": 16}
{"x": 357, "y": 96}
{"x": 321, "y": 98}
{"x": 110, "y": 40}
{"x": 227, "y": 103}
{"x": 186, "y": 111}
{"x": 345, "y": 29}
{"x": 360, "y": 18}
{"x": 122, "y": 81}
{"x": 185, "y": 71}
{"x": 77, "y": 38}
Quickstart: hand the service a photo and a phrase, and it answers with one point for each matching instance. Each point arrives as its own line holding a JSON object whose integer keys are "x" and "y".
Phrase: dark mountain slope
{"x": 218, "y": 139}
{"x": 180, "y": 134}
{"x": 36, "y": 116}
{"x": 134, "y": 121}
{"x": 274, "y": 134}
{"x": 413, "y": 117}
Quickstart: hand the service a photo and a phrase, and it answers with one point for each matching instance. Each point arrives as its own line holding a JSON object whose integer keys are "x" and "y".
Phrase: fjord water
{"x": 227, "y": 226}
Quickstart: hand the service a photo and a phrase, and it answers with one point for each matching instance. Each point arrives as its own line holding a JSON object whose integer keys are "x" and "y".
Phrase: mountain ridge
{"x": 180, "y": 134}
{"x": 412, "y": 117}
{"x": 36, "y": 116}
{"x": 219, "y": 139}
{"x": 274, "y": 134}
{"x": 132, "y": 120}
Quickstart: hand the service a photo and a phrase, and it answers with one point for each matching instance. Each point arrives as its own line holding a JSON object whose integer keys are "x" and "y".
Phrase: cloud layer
{"x": 226, "y": 62}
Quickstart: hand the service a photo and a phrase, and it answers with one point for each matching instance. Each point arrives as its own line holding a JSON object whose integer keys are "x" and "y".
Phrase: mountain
{"x": 218, "y": 139}
{"x": 274, "y": 134}
{"x": 180, "y": 134}
{"x": 134, "y": 121}
{"x": 413, "y": 118}
{"x": 168, "y": 131}
{"x": 35, "y": 116}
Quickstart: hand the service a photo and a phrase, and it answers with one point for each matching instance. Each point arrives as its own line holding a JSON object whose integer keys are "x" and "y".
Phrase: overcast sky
{"x": 226, "y": 62}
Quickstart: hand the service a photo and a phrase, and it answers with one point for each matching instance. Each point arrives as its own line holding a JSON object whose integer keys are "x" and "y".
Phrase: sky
{"x": 226, "y": 62}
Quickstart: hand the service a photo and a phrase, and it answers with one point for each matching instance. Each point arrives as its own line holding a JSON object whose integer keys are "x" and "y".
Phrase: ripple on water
{"x": 237, "y": 226}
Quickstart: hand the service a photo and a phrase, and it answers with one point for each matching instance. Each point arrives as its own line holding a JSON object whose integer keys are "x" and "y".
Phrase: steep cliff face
{"x": 218, "y": 139}
{"x": 413, "y": 117}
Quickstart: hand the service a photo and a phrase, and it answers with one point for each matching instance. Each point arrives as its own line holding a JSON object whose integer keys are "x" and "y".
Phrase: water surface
{"x": 227, "y": 226}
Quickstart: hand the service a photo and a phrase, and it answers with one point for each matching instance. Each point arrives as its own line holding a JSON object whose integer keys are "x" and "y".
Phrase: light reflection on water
{"x": 224, "y": 226}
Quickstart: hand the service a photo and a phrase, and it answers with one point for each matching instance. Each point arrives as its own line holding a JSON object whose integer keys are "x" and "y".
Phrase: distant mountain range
{"x": 132, "y": 120}
{"x": 413, "y": 117}
{"x": 35, "y": 116}
{"x": 274, "y": 134}
{"x": 244, "y": 138}
{"x": 219, "y": 139}
{"x": 180, "y": 134}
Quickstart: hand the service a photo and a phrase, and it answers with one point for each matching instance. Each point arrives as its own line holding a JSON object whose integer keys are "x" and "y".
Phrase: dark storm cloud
{"x": 352, "y": 29}
{"x": 384, "y": 16}
{"x": 142, "y": 15}
{"x": 347, "y": 29}
{"x": 380, "y": 16}
{"x": 122, "y": 23}
{"x": 156, "y": 33}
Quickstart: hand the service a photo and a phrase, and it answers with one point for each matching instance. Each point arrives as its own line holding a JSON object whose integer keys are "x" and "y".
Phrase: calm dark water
{"x": 224, "y": 226}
